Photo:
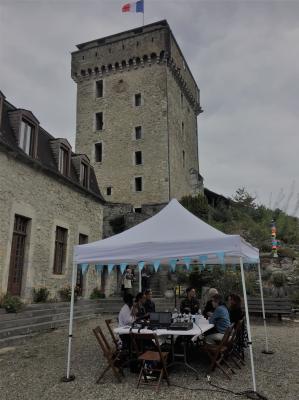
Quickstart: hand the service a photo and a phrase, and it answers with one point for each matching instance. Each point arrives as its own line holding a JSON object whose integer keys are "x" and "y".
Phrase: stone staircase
{"x": 35, "y": 318}
{"x": 155, "y": 285}
{"x": 43, "y": 317}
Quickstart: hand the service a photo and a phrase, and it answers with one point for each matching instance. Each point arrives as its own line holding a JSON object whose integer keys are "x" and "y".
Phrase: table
{"x": 202, "y": 325}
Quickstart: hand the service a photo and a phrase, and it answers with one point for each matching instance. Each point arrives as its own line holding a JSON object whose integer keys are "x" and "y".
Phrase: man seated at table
{"x": 149, "y": 305}
{"x": 125, "y": 316}
{"x": 190, "y": 304}
{"x": 138, "y": 307}
{"x": 219, "y": 318}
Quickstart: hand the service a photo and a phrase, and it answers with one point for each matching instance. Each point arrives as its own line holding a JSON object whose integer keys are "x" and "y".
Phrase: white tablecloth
{"x": 199, "y": 328}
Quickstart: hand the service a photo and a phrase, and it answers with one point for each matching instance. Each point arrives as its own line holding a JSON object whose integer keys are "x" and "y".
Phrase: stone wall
{"x": 47, "y": 202}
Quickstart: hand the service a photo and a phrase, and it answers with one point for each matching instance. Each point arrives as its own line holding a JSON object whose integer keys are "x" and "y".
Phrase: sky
{"x": 244, "y": 56}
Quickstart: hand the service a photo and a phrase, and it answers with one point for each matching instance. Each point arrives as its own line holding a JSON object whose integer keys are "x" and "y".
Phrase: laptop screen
{"x": 165, "y": 318}
{"x": 154, "y": 317}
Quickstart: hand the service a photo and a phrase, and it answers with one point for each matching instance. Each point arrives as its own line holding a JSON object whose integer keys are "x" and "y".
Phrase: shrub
{"x": 97, "y": 294}
{"x": 278, "y": 279}
{"x": 40, "y": 295}
{"x": 66, "y": 293}
{"x": 12, "y": 304}
{"x": 286, "y": 252}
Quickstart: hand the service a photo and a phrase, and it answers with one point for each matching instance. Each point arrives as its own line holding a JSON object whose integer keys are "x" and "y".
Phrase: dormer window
{"x": 84, "y": 173}
{"x": 26, "y": 138}
{"x": 63, "y": 161}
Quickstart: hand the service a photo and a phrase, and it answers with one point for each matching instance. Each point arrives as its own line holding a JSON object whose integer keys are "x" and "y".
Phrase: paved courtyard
{"x": 32, "y": 371}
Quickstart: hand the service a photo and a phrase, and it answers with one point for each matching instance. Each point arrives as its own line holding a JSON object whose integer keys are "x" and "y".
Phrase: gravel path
{"x": 32, "y": 371}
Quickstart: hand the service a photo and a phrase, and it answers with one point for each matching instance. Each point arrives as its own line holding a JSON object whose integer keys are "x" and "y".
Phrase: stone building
{"x": 137, "y": 108}
{"x": 50, "y": 201}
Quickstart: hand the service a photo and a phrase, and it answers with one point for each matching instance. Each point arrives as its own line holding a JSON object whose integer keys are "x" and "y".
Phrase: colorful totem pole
{"x": 274, "y": 240}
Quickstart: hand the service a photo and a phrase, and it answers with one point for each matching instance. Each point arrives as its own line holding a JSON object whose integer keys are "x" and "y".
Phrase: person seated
{"x": 138, "y": 307}
{"x": 209, "y": 309}
{"x": 190, "y": 304}
{"x": 149, "y": 305}
{"x": 234, "y": 308}
{"x": 125, "y": 316}
{"x": 220, "y": 319}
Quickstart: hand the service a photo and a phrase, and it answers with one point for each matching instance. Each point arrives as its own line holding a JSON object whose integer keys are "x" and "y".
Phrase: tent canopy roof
{"x": 173, "y": 233}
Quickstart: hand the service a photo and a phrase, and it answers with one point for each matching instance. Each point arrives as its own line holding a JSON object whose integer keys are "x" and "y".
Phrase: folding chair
{"x": 111, "y": 356}
{"x": 237, "y": 349}
{"x": 113, "y": 337}
{"x": 156, "y": 357}
{"x": 216, "y": 353}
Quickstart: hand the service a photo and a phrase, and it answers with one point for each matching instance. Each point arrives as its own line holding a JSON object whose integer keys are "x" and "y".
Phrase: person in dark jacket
{"x": 138, "y": 307}
{"x": 149, "y": 305}
{"x": 190, "y": 304}
{"x": 234, "y": 308}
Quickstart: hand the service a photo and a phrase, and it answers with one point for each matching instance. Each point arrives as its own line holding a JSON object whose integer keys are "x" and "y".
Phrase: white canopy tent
{"x": 173, "y": 234}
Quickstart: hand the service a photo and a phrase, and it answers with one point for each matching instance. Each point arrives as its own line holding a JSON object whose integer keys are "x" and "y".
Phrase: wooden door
{"x": 17, "y": 255}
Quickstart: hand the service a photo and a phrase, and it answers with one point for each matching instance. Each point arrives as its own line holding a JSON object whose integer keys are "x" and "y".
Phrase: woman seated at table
{"x": 219, "y": 318}
{"x": 208, "y": 306}
{"x": 234, "y": 308}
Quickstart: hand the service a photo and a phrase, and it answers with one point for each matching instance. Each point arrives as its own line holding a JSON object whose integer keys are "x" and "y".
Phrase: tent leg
{"x": 266, "y": 350}
{"x": 248, "y": 325}
{"x": 139, "y": 279}
{"x": 68, "y": 377}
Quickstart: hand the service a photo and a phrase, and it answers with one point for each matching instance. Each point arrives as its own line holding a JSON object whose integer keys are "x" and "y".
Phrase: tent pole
{"x": 68, "y": 377}
{"x": 139, "y": 278}
{"x": 248, "y": 325}
{"x": 266, "y": 351}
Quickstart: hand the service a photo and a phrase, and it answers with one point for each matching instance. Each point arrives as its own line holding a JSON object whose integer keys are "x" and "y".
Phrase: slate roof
{"x": 44, "y": 160}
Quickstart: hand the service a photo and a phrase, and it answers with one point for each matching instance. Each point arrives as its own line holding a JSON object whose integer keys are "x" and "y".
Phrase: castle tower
{"x": 137, "y": 108}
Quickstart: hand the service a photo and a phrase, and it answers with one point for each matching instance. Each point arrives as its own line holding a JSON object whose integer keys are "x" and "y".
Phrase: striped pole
{"x": 273, "y": 239}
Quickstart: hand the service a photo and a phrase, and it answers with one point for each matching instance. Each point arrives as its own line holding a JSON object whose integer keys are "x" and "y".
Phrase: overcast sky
{"x": 243, "y": 54}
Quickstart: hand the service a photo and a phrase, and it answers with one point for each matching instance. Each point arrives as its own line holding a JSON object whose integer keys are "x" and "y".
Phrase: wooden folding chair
{"x": 156, "y": 357}
{"x": 216, "y": 353}
{"x": 110, "y": 355}
{"x": 237, "y": 351}
{"x": 113, "y": 337}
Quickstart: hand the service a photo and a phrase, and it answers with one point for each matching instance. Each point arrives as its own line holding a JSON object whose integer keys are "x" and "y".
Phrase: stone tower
{"x": 137, "y": 108}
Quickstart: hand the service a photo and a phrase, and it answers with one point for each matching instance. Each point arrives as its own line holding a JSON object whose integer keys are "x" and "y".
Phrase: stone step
{"x": 42, "y": 326}
{"x": 47, "y": 316}
{"x": 23, "y": 338}
{"x": 32, "y": 312}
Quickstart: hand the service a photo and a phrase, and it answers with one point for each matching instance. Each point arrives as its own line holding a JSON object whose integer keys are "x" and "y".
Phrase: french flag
{"x": 137, "y": 6}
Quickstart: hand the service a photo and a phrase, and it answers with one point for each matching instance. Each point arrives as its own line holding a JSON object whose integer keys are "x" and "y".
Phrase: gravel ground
{"x": 32, "y": 371}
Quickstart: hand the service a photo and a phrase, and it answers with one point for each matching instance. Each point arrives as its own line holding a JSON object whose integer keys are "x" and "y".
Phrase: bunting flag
{"x": 220, "y": 256}
{"x": 156, "y": 265}
{"x": 123, "y": 267}
{"x": 141, "y": 265}
{"x": 234, "y": 267}
{"x": 110, "y": 268}
{"x": 203, "y": 260}
{"x": 98, "y": 267}
{"x": 187, "y": 261}
{"x": 172, "y": 264}
{"x": 84, "y": 268}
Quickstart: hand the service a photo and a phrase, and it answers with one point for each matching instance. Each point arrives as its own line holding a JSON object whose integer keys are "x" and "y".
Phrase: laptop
{"x": 160, "y": 320}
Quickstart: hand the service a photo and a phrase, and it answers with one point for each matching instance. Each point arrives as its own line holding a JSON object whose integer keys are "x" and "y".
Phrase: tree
{"x": 243, "y": 198}
{"x": 197, "y": 205}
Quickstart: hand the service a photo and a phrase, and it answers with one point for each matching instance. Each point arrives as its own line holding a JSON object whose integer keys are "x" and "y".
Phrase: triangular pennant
{"x": 123, "y": 267}
{"x": 220, "y": 256}
{"x": 203, "y": 259}
{"x": 110, "y": 268}
{"x": 187, "y": 261}
{"x": 141, "y": 265}
{"x": 98, "y": 267}
{"x": 172, "y": 264}
{"x": 156, "y": 265}
{"x": 84, "y": 268}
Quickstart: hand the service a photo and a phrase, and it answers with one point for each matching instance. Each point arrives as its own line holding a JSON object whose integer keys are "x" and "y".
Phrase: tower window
{"x": 138, "y": 132}
{"x": 99, "y": 88}
{"x": 182, "y": 99}
{"x": 183, "y": 128}
{"x": 98, "y": 147}
{"x": 109, "y": 191}
{"x": 99, "y": 121}
{"x": 138, "y": 157}
{"x": 137, "y": 210}
{"x": 137, "y": 99}
{"x": 183, "y": 158}
{"x": 138, "y": 184}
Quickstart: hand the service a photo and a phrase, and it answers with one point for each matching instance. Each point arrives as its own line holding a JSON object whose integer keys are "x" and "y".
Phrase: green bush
{"x": 278, "y": 279}
{"x": 66, "y": 293}
{"x": 286, "y": 252}
{"x": 97, "y": 294}
{"x": 40, "y": 295}
{"x": 12, "y": 304}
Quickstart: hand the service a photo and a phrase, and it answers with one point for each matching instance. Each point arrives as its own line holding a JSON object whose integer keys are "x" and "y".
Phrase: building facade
{"x": 137, "y": 108}
{"x": 50, "y": 201}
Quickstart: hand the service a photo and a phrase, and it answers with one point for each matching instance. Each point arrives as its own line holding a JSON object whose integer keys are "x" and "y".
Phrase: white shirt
{"x": 125, "y": 316}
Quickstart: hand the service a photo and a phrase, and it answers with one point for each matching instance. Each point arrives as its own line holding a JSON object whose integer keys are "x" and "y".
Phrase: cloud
{"x": 242, "y": 54}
